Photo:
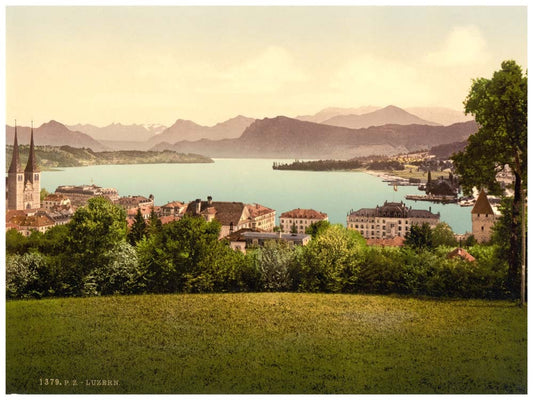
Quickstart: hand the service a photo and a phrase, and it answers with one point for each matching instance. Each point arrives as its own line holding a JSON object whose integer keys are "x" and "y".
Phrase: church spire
{"x": 15, "y": 160}
{"x": 32, "y": 164}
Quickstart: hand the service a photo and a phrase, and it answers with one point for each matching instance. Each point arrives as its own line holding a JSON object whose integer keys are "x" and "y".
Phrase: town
{"x": 242, "y": 225}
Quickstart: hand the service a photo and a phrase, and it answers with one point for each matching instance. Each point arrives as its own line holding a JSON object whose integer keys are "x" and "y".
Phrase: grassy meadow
{"x": 265, "y": 343}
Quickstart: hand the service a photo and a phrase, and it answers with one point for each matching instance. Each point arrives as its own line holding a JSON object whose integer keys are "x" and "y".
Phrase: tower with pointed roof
{"x": 23, "y": 187}
{"x": 483, "y": 218}
{"x": 15, "y": 179}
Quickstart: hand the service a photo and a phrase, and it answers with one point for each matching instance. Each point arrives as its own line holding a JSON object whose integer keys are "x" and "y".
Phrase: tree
{"x": 499, "y": 106}
{"x": 442, "y": 235}
{"x": 330, "y": 262}
{"x": 316, "y": 228}
{"x": 273, "y": 261}
{"x": 138, "y": 228}
{"x": 155, "y": 225}
{"x": 93, "y": 231}
{"x": 43, "y": 194}
{"x": 419, "y": 237}
{"x": 294, "y": 229}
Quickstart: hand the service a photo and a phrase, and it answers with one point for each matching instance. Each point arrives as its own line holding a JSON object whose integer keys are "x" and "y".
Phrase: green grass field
{"x": 265, "y": 343}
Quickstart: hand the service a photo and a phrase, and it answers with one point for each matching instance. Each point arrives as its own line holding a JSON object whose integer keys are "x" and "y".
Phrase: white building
{"x": 389, "y": 220}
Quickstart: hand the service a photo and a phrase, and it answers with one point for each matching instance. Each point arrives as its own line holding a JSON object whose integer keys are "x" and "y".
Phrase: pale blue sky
{"x": 157, "y": 64}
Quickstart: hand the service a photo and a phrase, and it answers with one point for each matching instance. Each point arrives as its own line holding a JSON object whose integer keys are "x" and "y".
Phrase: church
{"x": 23, "y": 186}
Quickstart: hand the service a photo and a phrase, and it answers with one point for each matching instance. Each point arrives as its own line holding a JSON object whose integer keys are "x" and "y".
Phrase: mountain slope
{"x": 188, "y": 130}
{"x": 283, "y": 137}
{"x": 387, "y": 115}
{"x": 53, "y": 133}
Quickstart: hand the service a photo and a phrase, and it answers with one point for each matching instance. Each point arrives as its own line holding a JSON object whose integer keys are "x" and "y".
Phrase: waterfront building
{"x": 231, "y": 215}
{"x": 300, "y": 219}
{"x": 483, "y": 218}
{"x": 261, "y": 217}
{"x": 23, "y": 187}
{"x": 389, "y": 220}
{"x": 80, "y": 195}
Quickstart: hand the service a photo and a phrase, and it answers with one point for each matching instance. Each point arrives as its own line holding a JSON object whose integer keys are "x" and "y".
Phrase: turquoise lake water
{"x": 253, "y": 181}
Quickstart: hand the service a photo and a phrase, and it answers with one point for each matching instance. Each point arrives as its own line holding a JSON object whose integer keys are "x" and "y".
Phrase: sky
{"x": 145, "y": 65}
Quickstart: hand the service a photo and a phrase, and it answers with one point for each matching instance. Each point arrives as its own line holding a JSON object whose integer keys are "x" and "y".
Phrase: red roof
{"x": 304, "y": 213}
{"x": 257, "y": 210}
{"x": 459, "y": 252}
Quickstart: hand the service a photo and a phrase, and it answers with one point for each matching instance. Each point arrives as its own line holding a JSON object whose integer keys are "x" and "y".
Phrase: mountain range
{"x": 284, "y": 137}
{"x": 53, "y": 133}
{"x": 341, "y": 133}
{"x": 434, "y": 115}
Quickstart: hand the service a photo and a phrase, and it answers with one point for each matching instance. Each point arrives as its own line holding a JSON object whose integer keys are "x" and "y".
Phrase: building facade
{"x": 261, "y": 217}
{"x": 299, "y": 219}
{"x": 389, "y": 220}
{"x": 23, "y": 187}
{"x": 483, "y": 218}
{"x": 79, "y": 195}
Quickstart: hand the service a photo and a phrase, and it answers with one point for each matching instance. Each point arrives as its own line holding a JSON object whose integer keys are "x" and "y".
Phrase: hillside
{"x": 445, "y": 151}
{"x": 283, "y": 137}
{"x": 49, "y": 157}
{"x": 53, "y": 133}
{"x": 384, "y": 116}
{"x": 266, "y": 343}
{"x": 189, "y": 130}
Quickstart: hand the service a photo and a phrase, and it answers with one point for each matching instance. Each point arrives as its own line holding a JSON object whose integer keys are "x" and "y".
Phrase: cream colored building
{"x": 261, "y": 217}
{"x": 301, "y": 219}
{"x": 232, "y": 216}
{"x": 389, "y": 220}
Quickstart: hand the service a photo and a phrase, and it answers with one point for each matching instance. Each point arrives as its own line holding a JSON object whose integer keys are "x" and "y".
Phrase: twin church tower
{"x": 23, "y": 187}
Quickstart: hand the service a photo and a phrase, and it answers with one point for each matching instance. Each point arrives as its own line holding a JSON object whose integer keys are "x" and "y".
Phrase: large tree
{"x": 499, "y": 106}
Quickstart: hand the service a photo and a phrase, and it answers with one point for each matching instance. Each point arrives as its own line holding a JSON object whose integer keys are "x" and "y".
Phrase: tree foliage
{"x": 419, "y": 237}
{"x": 442, "y": 235}
{"x": 499, "y": 106}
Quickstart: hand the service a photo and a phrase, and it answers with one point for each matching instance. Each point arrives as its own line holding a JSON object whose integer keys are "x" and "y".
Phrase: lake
{"x": 253, "y": 181}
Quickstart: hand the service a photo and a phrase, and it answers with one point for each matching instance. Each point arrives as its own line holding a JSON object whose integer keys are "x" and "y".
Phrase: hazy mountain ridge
{"x": 284, "y": 137}
{"x": 383, "y": 116}
{"x": 53, "y": 133}
{"x": 120, "y": 132}
{"x": 331, "y": 112}
{"x": 189, "y": 130}
{"x": 438, "y": 115}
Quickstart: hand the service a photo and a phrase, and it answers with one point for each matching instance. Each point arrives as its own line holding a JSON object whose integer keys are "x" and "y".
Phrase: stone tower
{"x": 15, "y": 179}
{"x": 483, "y": 218}
{"x": 23, "y": 187}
